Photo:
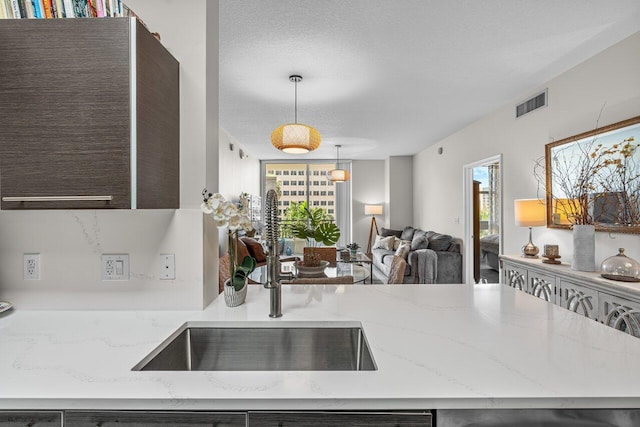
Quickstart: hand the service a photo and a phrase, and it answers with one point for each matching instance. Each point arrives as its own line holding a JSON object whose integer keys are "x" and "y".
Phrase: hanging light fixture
{"x": 337, "y": 174}
{"x": 295, "y": 138}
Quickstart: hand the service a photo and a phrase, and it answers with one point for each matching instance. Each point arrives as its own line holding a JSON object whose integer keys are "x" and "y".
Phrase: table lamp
{"x": 530, "y": 213}
{"x": 372, "y": 210}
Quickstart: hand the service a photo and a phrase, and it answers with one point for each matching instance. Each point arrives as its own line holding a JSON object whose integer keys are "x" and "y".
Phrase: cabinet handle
{"x": 58, "y": 199}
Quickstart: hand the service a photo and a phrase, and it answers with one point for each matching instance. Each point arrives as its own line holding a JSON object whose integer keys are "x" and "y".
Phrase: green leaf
{"x": 301, "y": 231}
{"x": 243, "y": 270}
{"x": 239, "y": 282}
{"x": 327, "y": 233}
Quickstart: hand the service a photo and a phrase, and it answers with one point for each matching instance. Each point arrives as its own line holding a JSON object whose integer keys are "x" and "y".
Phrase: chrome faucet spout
{"x": 273, "y": 262}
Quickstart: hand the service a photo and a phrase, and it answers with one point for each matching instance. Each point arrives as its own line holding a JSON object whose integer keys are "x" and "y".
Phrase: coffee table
{"x": 360, "y": 274}
{"x": 359, "y": 258}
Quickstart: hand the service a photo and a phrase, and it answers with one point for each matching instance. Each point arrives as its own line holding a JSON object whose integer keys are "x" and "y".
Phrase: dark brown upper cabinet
{"x": 89, "y": 116}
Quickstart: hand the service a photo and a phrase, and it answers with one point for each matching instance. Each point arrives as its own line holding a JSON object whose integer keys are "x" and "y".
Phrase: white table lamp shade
{"x": 530, "y": 212}
{"x": 373, "y": 209}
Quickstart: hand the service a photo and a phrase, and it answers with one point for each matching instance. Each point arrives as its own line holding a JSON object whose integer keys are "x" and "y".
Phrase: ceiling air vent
{"x": 531, "y": 104}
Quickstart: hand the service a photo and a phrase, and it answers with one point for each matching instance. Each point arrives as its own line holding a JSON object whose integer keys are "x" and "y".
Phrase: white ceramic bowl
{"x": 304, "y": 271}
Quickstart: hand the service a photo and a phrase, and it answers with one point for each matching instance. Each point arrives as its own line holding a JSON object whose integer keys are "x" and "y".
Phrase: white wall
{"x": 237, "y": 175}
{"x": 399, "y": 202}
{"x": 367, "y": 188}
{"x": 71, "y": 242}
{"x": 575, "y": 100}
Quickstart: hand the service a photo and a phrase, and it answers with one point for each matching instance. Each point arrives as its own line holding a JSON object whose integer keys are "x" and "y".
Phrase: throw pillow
{"x": 241, "y": 250}
{"x": 407, "y": 233}
{"x": 384, "y": 242}
{"x": 390, "y": 232}
{"x": 403, "y": 249}
{"x": 439, "y": 242}
{"x": 398, "y": 242}
{"x": 255, "y": 249}
{"x": 419, "y": 240}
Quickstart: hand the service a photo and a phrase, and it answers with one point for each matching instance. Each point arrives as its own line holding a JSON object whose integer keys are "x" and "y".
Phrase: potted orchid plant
{"x": 235, "y": 217}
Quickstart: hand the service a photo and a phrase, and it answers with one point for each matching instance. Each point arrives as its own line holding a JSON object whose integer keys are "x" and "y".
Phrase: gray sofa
{"x": 433, "y": 258}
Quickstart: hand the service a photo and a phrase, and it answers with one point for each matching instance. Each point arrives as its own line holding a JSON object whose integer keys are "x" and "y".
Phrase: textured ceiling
{"x": 391, "y": 77}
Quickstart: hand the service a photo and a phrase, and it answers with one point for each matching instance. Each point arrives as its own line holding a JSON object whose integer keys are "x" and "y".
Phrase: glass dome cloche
{"x": 621, "y": 267}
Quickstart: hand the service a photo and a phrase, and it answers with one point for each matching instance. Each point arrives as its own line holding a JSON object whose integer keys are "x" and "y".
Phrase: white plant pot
{"x": 584, "y": 248}
{"x": 232, "y": 297}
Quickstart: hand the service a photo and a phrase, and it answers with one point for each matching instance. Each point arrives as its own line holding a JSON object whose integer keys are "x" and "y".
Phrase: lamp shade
{"x": 373, "y": 209}
{"x": 530, "y": 212}
{"x": 338, "y": 175}
{"x": 295, "y": 138}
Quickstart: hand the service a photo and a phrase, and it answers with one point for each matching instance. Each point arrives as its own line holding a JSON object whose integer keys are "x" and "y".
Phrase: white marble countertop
{"x": 436, "y": 346}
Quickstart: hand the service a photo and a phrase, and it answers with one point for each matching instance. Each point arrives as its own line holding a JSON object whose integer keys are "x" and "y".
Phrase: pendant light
{"x": 295, "y": 138}
{"x": 337, "y": 174}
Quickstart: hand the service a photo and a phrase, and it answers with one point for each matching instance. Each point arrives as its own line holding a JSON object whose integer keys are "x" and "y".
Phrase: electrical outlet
{"x": 31, "y": 265}
{"x": 167, "y": 266}
{"x": 115, "y": 266}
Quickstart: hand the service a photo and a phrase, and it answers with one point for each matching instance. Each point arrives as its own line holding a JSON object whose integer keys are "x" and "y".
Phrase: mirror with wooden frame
{"x": 594, "y": 178}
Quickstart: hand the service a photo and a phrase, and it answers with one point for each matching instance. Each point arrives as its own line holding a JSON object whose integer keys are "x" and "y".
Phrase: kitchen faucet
{"x": 274, "y": 274}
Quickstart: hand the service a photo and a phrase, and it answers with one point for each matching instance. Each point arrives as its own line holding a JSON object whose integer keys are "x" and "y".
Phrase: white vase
{"x": 584, "y": 248}
{"x": 232, "y": 297}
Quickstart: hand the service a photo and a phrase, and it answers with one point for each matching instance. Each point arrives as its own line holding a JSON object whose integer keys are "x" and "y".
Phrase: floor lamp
{"x": 372, "y": 210}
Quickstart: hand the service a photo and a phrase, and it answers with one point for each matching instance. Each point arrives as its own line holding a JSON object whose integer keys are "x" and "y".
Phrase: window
{"x": 310, "y": 177}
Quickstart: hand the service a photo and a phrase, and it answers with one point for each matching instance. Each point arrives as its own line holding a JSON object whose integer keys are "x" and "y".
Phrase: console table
{"x": 613, "y": 303}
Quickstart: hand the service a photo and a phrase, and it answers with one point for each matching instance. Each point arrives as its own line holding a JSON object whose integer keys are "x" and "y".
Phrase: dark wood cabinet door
{"x": 345, "y": 419}
{"x": 154, "y": 419}
{"x": 64, "y": 111}
{"x": 30, "y": 419}
{"x": 85, "y": 123}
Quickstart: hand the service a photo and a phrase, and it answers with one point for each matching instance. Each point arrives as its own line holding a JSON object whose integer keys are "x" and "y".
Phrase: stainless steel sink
{"x": 262, "y": 346}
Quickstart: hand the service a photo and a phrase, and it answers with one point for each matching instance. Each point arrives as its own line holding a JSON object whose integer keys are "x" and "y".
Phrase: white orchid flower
{"x": 205, "y": 208}
{"x": 227, "y": 214}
